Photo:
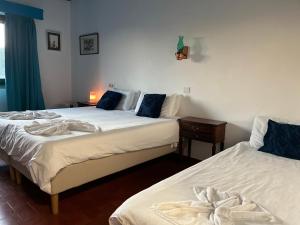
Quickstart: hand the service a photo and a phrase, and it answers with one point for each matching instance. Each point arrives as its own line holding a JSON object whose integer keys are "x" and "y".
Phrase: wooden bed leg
{"x": 18, "y": 177}
{"x": 54, "y": 204}
{"x": 12, "y": 173}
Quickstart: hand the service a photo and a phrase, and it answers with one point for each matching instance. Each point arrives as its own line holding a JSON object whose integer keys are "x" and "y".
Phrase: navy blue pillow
{"x": 109, "y": 100}
{"x": 282, "y": 140}
{"x": 151, "y": 105}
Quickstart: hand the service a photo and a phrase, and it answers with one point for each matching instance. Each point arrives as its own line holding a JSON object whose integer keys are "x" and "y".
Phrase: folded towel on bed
{"x": 29, "y": 115}
{"x": 59, "y": 127}
{"x": 214, "y": 208}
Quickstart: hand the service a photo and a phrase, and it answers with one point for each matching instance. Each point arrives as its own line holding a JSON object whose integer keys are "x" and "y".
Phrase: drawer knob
{"x": 195, "y": 128}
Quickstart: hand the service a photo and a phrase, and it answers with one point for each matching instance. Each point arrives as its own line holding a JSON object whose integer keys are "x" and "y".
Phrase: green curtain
{"x": 23, "y": 82}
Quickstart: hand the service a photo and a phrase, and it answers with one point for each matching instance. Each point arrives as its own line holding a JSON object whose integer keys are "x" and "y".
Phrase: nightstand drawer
{"x": 196, "y": 128}
{"x": 201, "y": 136}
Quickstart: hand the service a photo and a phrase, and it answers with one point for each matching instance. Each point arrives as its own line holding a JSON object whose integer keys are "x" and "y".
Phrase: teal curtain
{"x": 23, "y": 82}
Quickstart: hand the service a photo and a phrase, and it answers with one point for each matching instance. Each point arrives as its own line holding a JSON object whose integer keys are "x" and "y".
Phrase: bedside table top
{"x": 202, "y": 121}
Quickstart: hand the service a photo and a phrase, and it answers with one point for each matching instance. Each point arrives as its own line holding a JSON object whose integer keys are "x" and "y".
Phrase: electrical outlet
{"x": 187, "y": 90}
{"x": 111, "y": 85}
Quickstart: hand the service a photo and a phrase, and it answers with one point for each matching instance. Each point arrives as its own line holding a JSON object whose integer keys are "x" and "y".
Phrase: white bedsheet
{"x": 121, "y": 131}
{"x": 271, "y": 181}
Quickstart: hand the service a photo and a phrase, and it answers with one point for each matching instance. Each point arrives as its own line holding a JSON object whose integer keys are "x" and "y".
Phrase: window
{"x": 2, "y": 51}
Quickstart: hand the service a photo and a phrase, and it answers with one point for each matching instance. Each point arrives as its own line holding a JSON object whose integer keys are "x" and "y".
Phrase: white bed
{"x": 54, "y": 162}
{"x": 269, "y": 180}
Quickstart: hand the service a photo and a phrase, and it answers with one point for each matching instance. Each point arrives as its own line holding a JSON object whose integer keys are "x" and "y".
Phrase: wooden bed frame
{"x": 84, "y": 172}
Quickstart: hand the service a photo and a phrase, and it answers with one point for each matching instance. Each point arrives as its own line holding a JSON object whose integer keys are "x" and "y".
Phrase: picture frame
{"x": 89, "y": 44}
{"x": 54, "y": 41}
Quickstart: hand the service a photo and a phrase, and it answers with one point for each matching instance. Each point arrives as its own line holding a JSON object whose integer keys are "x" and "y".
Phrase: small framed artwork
{"x": 53, "y": 41}
{"x": 89, "y": 44}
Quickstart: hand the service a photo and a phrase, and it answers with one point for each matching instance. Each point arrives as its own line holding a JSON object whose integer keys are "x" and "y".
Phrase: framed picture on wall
{"x": 53, "y": 41}
{"x": 89, "y": 44}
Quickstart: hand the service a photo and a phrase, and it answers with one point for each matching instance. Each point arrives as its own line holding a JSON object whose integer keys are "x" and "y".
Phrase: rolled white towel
{"x": 45, "y": 115}
{"x": 59, "y": 127}
{"x": 29, "y": 115}
{"x": 13, "y": 115}
{"x": 76, "y": 125}
{"x": 47, "y": 129}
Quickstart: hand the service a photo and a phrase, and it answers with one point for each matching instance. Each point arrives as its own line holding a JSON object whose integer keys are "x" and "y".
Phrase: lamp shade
{"x": 93, "y": 96}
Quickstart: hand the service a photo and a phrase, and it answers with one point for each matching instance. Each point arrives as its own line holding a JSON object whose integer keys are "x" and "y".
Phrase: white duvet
{"x": 272, "y": 182}
{"x": 121, "y": 131}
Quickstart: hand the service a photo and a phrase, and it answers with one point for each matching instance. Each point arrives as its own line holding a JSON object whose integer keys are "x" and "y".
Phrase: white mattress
{"x": 122, "y": 132}
{"x": 271, "y": 181}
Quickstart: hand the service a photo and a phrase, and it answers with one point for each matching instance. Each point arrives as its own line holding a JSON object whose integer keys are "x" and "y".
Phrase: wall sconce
{"x": 182, "y": 50}
{"x": 93, "y": 97}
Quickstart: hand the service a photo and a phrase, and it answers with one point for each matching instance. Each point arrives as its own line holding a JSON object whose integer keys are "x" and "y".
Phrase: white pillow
{"x": 171, "y": 106}
{"x": 139, "y": 102}
{"x": 135, "y": 100}
{"x": 126, "y": 100}
{"x": 260, "y": 127}
{"x": 259, "y": 130}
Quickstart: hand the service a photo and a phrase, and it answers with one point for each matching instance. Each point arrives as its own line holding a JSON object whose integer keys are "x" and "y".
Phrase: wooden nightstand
{"x": 205, "y": 130}
{"x": 84, "y": 104}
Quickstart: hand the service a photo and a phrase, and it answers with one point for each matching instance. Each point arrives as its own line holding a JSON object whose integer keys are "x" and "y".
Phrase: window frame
{"x": 2, "y": 80}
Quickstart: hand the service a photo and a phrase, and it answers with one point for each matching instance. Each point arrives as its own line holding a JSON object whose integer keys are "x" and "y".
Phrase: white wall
{"x": 55, "y": 66}
{"x": 244, "y": 54}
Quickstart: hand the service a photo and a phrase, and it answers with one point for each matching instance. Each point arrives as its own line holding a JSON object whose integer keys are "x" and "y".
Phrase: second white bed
{"x": 270, "y": 181}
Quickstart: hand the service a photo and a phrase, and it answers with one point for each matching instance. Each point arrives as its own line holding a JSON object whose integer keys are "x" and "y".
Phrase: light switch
{"x": 187, "y": 90}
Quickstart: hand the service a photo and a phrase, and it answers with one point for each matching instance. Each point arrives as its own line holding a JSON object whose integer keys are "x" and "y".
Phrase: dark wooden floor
{"x": 91, "y": 204}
